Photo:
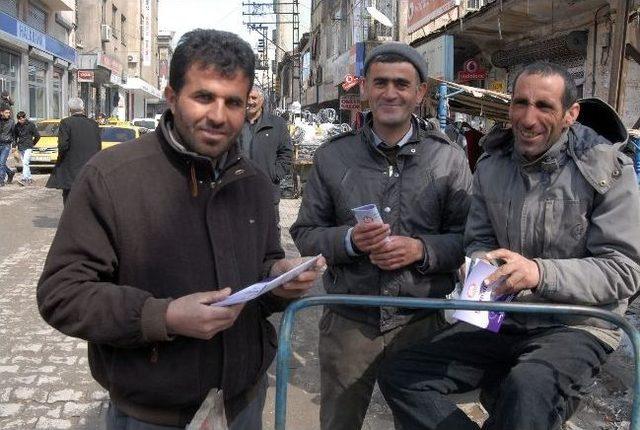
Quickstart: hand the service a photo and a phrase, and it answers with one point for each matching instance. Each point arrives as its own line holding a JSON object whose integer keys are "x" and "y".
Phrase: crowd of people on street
{"x": 155, "y": 233}
{"x": 20, "y": 135}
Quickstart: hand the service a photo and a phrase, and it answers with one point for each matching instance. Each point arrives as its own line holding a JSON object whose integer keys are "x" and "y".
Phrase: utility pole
{"x": 261, "y": 15}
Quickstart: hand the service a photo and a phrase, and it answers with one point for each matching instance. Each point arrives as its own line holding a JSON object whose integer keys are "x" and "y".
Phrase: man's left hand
{"x": 518, "y": 273}
{"x": 300, "y": 285}
{"x": 397, "y": 252}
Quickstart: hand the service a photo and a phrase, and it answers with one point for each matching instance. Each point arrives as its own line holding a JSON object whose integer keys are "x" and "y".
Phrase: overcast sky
{"x": 184, "y": 15}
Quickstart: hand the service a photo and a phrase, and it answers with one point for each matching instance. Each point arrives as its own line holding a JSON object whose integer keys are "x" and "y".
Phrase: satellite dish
{"x": 379, "y": 16}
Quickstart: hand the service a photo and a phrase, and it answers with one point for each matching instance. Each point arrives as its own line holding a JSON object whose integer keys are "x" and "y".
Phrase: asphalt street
{"x": 45, "y": 382}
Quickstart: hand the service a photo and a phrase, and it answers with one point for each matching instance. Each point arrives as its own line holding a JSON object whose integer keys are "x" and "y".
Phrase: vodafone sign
{"x": 471, "y": 71}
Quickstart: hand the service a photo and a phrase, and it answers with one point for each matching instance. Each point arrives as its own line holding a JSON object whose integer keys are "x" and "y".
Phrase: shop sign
{"x": 350, "y": 102}
{"x": 498, "y": 86}
{"x": 422, "y": 12}
{"x": 146, "y": 33}
{"x": 86, "y": 76}
{"x": 472, "y": 71}
{"x": 109, "y": 62}
{"x": 349, "y": 82}
{"x": 37, "y": 39}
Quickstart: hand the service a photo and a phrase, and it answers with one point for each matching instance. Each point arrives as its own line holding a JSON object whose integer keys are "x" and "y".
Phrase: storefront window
{"x": 37, "y": 18}
{"x": 9, "y": 66}
{"x": 10, "y": 7}
{"x": 57, "y": 93}
{"x": 37, "y": 103}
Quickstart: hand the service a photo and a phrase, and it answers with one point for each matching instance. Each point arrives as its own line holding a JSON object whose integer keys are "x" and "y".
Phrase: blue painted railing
{"x": 286, "y": 329}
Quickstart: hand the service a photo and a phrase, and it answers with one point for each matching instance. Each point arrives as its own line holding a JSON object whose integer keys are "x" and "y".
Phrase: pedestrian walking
{"x": 158, "y": 230}
{"x": 26, "y": 136}
{"x": 558, "y": 204}
{"x": 420, "y": 182}
{"x": 78, "y": 141}
{"x": 266, "y": 141}
{"x": 7, "y": 140}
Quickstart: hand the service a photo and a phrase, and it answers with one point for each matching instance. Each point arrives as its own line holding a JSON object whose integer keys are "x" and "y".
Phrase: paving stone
{"x": 26, "y": 380}
{"x": 69, "y": 360}
{"x": 99, "y": 395}
{"x": 4, "y": 394}
{"x": 9, "y": 369}
{"x": 46, "y": 379}
{"x": 18, "y": 424}
{"x": 9, "y": 409}
{"x": 53, "y": 424}
{"x": 36, "y": 347}
{"x": 23, "y": 359}
{"x": 74, "y": 409}
{"x": 65, "y": 395}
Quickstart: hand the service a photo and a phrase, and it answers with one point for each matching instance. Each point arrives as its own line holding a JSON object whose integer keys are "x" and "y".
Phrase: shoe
{"x": 30, "y": 182}
{"x": 22, "y": 182}
{"x": 10, "y": 176}
{"x": 1, "y": 184}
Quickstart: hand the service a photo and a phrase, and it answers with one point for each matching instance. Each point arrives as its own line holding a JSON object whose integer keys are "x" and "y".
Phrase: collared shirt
{"x": 378, "y": 144}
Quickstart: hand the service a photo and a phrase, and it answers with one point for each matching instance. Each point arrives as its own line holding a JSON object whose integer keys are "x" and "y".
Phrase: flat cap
{"x": 403, "y": 50}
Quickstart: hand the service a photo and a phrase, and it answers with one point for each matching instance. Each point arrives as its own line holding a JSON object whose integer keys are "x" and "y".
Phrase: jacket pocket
{"x": 565, "y": 228}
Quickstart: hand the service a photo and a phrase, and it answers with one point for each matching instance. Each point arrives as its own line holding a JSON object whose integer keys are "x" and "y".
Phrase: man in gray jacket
{"x": 557, "y": 203}
{"x": 420, "y": 182}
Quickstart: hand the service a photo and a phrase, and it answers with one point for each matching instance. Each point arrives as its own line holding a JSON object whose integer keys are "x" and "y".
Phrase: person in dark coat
{"x": 27, "y": 136}
{"x": 7, "y": 140}
{"x": 266, "y": 141}
{"x": 78, "y": 141}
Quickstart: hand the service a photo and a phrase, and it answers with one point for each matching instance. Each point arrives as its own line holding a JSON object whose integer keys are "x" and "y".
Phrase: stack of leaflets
{"x": 476, "y": 289}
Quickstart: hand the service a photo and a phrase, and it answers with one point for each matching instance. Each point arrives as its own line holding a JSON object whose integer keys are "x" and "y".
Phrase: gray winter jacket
{"x": 426, "y": 198}
{"x": 575, "y": 211}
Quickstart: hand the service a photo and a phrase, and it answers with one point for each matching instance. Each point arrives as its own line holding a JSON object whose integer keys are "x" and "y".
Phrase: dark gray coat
{"x": 78, "y": 141}
{"x": 576, "y": 212}
{"x": 426, "y": 198}
{"x": 268, "y": 145}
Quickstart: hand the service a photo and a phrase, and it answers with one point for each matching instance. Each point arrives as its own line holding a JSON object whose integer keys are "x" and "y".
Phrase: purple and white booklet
{"x": 476, "y": 289}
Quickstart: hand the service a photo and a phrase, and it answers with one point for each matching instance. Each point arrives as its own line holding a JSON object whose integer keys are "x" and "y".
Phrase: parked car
{"x": 150, "y": 123}
{"x": 114, "y": 134}
{"x": 45, "y": 153}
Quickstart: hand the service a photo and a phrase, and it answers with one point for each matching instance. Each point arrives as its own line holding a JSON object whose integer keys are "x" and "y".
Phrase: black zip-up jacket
{"x": 26, "y": 135}
{"x": 138, "y": 231}
{"x": 6, "y": 132}
{"x": 426, "y": 196}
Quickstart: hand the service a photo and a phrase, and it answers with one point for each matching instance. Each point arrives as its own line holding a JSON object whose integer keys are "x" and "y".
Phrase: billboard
{"x": 423, "y": 11}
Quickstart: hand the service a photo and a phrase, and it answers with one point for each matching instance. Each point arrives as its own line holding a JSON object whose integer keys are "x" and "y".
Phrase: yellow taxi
{"x": 45, "y": 153}
{"x": 122, "y": 132}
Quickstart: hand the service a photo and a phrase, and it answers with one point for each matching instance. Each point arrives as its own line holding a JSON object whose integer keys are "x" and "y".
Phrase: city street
{"x": 46, "y": 382}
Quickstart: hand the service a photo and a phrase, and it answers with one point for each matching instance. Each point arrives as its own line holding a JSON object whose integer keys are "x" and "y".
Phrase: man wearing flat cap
{"x": 420, "y": 183}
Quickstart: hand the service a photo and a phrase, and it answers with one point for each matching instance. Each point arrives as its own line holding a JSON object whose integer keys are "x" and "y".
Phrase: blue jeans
{"x": 5, "y": 150}
{"x": 537, "y": 377}
{"x": 250, "y": 417}
{"x": 26, "y": 159}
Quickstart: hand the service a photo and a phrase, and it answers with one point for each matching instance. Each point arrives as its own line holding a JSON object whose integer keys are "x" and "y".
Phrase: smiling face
{"x": 255, "y": 102}
{"x": 209, "y": 110}
{"x": 537, "y": 115}
{"x": 393, "y": 91}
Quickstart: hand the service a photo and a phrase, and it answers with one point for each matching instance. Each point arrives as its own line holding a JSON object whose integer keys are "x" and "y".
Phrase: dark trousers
{"x": 541, "y": 373}
{"x": 248, "y": 417}
{"x": 350, "y": 352}
{"x": 65, "y": 196}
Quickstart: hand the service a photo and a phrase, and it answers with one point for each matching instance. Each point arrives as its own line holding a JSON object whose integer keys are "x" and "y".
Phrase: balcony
{"x": 59, "y": 5}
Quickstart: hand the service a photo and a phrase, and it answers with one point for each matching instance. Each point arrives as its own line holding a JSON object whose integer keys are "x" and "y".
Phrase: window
{"x": 123, "y": 26}
{"x": 9, "y": 66}
{"x": 37, "y": 76}
{"x": 114, "y": 16}
{"x": 37, "y": 18}
{"x": 10, "y": 7}
{"x": 104, "y": 11}
{"x": 57, "y": 93}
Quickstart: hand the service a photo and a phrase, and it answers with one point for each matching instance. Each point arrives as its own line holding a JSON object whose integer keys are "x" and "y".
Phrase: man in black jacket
{"x": 7, "y": 139}
{"x": 158, "y": 230}
{"x": 266, "y": 141}
{"x": 27, "y": 136}
{"x": 78, "y": 141}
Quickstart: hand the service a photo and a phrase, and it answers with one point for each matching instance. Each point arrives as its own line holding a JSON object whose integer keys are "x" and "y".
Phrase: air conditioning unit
{"x": 474, "y": 4}
{"x": 105, "y": 32}
{"x": 133, "y": 58}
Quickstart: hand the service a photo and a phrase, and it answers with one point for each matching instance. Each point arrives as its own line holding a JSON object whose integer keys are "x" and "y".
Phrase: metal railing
{"x": 286, "y": 329}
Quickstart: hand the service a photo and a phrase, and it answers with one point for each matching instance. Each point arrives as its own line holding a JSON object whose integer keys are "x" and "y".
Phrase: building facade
{"x": 37, "y": 55}
{"x": 118, "y": 57}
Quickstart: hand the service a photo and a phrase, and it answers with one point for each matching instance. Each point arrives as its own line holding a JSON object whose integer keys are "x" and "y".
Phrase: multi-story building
{"x": 37, "y": 57}
{"x": 118, "y": 56}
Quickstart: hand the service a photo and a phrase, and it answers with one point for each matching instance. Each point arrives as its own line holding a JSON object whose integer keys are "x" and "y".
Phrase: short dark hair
{"x": 224, "y": 51}
{"x": 21, "y": 114}
{"x": 546, "y": 68}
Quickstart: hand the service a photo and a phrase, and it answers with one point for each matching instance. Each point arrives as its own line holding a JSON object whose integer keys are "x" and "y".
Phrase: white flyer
{"x": 259, "y": 288}
{"x": 367, "y": 213}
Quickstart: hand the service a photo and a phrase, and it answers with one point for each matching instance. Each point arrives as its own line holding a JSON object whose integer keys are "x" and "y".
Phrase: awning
{"x": 143, "y": 88}
{"x": 472, "y": 100}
